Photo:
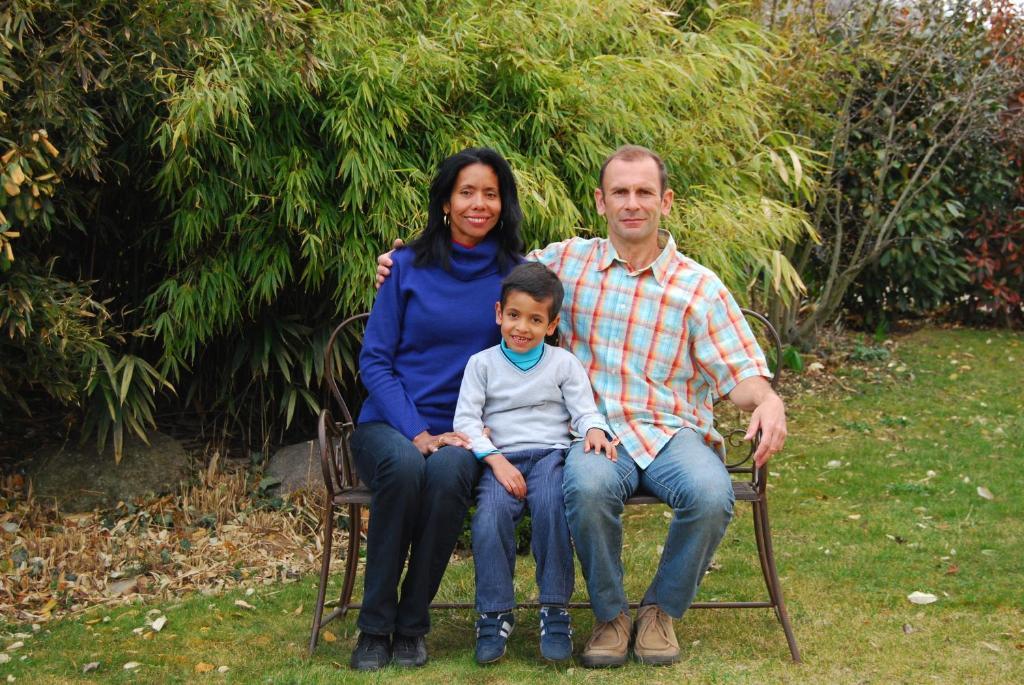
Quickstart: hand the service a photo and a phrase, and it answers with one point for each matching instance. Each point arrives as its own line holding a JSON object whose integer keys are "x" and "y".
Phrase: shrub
{"x": 230, "y": 170}
{"x": 907, "y": 98}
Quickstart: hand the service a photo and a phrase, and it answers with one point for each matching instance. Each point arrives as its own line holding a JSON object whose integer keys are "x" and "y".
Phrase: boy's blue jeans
{"x": 494, "y": 532}
{"x": 688, "y": 476}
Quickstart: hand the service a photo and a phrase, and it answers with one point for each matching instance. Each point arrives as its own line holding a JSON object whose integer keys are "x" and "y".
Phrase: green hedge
{"x": 230, "y": 170}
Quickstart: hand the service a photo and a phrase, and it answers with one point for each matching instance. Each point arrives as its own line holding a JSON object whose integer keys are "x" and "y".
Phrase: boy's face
{"x": 524, "y": 321}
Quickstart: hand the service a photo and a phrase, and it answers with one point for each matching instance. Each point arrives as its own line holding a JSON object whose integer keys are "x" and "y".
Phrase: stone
{"x": 122, "y": 587}
{"x": 296, "y": 467}
{"x": 81, "y": 479}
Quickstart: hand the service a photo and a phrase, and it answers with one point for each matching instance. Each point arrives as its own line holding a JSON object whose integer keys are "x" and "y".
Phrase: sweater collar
{"x": 471, "y": 263}
{"x": 524, "y": 360}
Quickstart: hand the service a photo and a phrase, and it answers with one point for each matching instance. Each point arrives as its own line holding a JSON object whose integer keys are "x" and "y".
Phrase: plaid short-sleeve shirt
{"x": 659, "y": 344}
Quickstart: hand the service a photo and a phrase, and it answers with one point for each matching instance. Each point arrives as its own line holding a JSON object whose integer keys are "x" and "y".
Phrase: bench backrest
{"x": 342, "y": 379}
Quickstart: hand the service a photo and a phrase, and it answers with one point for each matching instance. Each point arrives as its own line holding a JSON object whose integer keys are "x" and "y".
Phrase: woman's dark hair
{"x": 434, "y": 245}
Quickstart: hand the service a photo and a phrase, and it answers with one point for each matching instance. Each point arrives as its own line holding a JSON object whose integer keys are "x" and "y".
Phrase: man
{"x": 661, "y": 339}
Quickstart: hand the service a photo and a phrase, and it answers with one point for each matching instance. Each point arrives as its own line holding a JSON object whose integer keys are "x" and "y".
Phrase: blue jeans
{"x": 688, "y": 476}
{"x": 419, "y": 503}
{"x": 494, "y": 532}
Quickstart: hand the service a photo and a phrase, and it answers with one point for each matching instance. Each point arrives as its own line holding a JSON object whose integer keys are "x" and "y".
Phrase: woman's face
{"x": 474, "y": 207}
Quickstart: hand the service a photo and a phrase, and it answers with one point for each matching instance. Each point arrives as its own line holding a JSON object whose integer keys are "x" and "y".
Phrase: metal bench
{"x": 343, "y": 490}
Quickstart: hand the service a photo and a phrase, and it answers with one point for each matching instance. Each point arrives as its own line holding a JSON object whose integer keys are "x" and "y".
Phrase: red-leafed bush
{"x": 994, "y": 244}
{"x": 995, "y": 253}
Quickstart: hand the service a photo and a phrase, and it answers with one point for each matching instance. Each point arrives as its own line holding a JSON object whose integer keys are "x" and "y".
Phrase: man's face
{"x": 632, "y": 201}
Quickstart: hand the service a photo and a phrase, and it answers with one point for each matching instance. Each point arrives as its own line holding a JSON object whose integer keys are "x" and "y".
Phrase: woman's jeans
{"x": 419, "y": 503}
{"x": 689, "y": 477}
{"x": 494, "y": 532}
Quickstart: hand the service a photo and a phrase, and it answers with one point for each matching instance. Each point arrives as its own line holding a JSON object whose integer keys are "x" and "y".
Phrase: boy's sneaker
{"x": 555, "y": 634}
{"x": 372, "y": 652}
{"x": 492, "y": 631}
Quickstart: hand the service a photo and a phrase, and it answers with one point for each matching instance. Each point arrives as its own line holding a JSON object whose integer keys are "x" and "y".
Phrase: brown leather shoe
{"x": 656, "y": 642}
{"x": 609, "y": 643}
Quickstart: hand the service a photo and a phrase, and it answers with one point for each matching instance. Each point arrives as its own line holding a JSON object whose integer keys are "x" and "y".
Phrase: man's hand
{"x": 770, "y": 419}
{"x": 506, "y": 474}
{"x": 384, "y": 262}
{"x": 427, "y": 444}
{"x": 768, "y": 415}
{"x": 597, "y": 440}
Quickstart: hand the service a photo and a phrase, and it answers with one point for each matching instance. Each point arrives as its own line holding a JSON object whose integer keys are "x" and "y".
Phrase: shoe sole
{"x": 658, "y": 660}
{"x": 495, "y": 659}
{"x": 408, "y": 664}
{"x": 552, "y": 660}
{"x": 556, "y": 661}
{"x": 368, "y": 668}
{"x": 603, "y": 661}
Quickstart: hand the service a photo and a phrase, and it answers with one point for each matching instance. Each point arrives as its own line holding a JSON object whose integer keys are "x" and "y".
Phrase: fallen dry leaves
{"x": 210, "y": 537}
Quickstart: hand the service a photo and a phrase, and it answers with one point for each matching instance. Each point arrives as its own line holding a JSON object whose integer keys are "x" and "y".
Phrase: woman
{"x": 430, "y": 316}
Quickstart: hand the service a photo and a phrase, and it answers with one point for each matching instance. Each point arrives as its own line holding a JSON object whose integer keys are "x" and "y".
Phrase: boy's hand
{"x": 597, "y": 440}
{"x": 507, "y": 475}
{"x": 384, "y": 262}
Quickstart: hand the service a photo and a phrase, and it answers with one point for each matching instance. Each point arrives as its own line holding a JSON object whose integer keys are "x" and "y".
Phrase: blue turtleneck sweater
{"x": 425, "y": 324}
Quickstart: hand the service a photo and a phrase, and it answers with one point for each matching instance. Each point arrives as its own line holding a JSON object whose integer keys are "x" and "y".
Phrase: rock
{"x": 80, "y": 479}
{"x": 296, "y": 467}
{"x": 121, "y": 587}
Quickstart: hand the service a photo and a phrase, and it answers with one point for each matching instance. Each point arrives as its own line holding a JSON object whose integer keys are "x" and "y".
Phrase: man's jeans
{"x": 418, "y": 502}
{"x": 494, "y": 532}
{"x": 688, "y": 476}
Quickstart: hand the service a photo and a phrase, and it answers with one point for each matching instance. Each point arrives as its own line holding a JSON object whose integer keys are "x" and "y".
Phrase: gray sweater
{"x": 525, "y": 409}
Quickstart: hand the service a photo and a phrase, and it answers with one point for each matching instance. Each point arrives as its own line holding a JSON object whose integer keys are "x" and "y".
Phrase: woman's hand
{"x": 597, "y": 440}
{"x": 427, "y": 444}
{"x": 506, "y": 474}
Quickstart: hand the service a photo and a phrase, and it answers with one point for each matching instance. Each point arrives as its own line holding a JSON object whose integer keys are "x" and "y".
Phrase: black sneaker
{"x": 409, "y": 651}
{"x": 372, "y": 652}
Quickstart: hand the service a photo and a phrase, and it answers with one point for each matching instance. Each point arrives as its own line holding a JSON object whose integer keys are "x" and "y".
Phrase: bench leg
{"x": 762, "y": 555}
{"x": 352, "y": 557}
{"x": 325, "y": 568}
{"x": 766, "y": 554}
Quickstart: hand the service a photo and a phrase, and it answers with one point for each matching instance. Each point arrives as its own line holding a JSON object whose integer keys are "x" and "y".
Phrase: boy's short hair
{"x": 537, "y": 281}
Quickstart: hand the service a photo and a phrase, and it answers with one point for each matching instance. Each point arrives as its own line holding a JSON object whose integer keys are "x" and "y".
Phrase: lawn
{"x": 899, "y": 476}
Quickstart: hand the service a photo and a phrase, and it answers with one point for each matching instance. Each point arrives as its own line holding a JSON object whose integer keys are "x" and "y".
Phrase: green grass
{"x": 901, "y": 514}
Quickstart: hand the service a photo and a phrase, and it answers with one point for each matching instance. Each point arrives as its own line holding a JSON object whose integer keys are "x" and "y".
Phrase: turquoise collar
{"x": 524, "y": 360}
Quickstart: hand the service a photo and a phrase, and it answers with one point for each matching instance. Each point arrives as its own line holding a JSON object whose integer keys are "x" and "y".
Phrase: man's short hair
{"x": 633, "y": 153}
{"x": 537, "y": 281}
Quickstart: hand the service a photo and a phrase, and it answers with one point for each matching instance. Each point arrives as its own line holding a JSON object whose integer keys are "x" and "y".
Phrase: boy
{"x": 528, "y": 394}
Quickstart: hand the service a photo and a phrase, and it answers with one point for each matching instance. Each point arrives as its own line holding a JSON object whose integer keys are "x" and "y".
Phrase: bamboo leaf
{"x": 126, "y": 377}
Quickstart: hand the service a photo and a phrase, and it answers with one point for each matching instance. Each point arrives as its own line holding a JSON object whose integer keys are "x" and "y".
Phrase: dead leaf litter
{"x": 210, "y": 538}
